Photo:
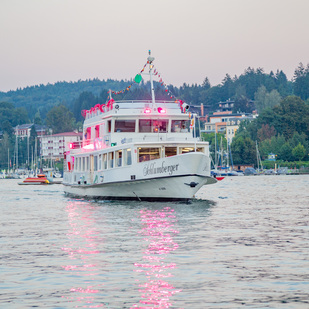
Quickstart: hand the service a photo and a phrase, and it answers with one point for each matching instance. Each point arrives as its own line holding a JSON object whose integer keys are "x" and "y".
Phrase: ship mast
{"x": 150, "y": 60}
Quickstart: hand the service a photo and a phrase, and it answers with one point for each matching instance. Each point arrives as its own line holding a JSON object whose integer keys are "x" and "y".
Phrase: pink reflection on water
{"x": 158, "y": 229}
{"x": 82, "y": 249}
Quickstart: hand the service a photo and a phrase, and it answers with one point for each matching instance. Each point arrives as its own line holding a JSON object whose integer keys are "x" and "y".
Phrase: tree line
{"x": 282, "y": 130}
{"x": 282, "y": 106}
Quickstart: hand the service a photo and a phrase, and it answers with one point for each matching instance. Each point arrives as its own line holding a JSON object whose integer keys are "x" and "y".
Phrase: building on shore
{"x": 24, "y": 130}
{"x": 54, "y": 146}
{"x": 226, "y": 123}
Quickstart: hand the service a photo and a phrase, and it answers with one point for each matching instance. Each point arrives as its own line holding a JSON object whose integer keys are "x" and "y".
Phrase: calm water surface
{"x": 243, "y": 244}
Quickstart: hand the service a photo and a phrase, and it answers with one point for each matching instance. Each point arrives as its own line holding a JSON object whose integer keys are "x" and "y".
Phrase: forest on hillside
{"x": 282, "y": 105}
{"x": 250, "y": 85}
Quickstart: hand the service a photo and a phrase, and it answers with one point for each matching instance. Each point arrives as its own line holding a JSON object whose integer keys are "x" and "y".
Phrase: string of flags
{"x": 156, "y": 73}
{"x": 137, "y": 80}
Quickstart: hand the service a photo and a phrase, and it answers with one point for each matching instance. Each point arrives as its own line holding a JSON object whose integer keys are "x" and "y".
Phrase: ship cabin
{"x": 132, "y": 131}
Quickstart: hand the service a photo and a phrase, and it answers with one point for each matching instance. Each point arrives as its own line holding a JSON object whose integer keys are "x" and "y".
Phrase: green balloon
{"x": 138, "y": 78}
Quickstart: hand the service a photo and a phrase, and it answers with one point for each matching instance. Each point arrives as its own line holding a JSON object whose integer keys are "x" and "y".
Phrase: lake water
{"x": 243, "y": 244}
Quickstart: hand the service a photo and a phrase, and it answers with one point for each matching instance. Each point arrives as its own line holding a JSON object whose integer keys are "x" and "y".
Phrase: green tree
{"x": 260, "y": 98}
{"x": 294, "y": 117}
{"x": 206, "y": 84}
{"x": 265, "y": 148}
{"x": 264, "y": 99}
{"x": 273, "y": 99}
{"x": 5, "y": 145}
{"x": 243, "y": 105}
{"x": 37, "y": 118}
{"x": 285, "y": 152}
{"x": 299, "y": 152}
{"x": 60, "y": 119}
{"x": 86, "y": 100}
{"x": 243, "y": 150}
{"x": 276, "y": 143}
{"x": 34, "y": 141}
{"x": 301, "y": 81}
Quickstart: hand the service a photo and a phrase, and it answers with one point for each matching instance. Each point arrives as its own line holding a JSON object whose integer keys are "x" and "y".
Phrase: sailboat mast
{"x": 227, "y": 152}
{"x": 216, "y": 162}
{"x": 257, "y": 156}
{"x": 16, "y": 152}
{"x": 221, "y": 146}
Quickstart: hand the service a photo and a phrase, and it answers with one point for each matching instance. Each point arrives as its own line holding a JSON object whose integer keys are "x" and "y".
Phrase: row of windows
{"x": 147, "y": 154}
{"x": 104, "y": 161}
{"x": 123, "y": 157}
{"x": 144, "y": 126}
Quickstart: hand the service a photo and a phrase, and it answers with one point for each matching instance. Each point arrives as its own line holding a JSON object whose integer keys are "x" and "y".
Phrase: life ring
{"x": 84, "y": 112}
{"x": 110, "y": 104}
{"x": 102, "y": 108}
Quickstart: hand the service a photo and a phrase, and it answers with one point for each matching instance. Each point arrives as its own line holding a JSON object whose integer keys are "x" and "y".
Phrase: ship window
{"x": 159, "y": 125}
{"x": 110, "y": 159}
{"x": 88, "y": 136}
{"x": 100, "y": 162}
{"x": 124, "y": 125}
{"x": 76, "y": 164}
{"x": 97, "y": 131}
{"x": 186, "y": 149}
{"x": 170, "y": 151}
{"x": 191, "y": 149}
{"x": 144, "y": 125}
{"x": 153, "y": 125}
{"x": 105, "y": 161}
{"x": 118, "y": 158}
{"x": 95, "y": 163}
{"x": 127, "y": 156}
{"x": 109, "y": 126}
{"x": 78, "y": 161}
{"x": 146, "y": 154}
{"x": 180, "y": 126}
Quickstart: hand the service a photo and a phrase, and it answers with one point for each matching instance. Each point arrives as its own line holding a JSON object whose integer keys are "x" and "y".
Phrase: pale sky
{"x": 45, "y": 41}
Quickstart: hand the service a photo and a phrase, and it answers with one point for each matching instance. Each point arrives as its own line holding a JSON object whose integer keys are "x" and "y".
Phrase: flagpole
{"x": 150, "y": 60}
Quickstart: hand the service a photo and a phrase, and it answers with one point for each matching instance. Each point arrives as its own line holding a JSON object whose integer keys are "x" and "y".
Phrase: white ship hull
{"x": 170, "y": 188}
{"x": 174, "y": 178}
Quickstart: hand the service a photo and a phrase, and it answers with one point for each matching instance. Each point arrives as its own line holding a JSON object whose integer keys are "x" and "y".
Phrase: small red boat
{"x": 39, "y": 180}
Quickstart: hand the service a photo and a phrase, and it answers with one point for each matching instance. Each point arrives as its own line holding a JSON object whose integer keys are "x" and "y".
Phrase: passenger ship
{"x": 142, "y": 150}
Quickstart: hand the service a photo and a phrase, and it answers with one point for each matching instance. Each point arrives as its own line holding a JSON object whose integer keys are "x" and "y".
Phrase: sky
{"x": 45, "y": 41}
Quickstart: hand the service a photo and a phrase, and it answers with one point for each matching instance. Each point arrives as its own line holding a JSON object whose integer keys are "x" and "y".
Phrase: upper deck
{"x": 122, "y": 122}
{"x": 133, "y": 108}
{"x": 141, "y": 121}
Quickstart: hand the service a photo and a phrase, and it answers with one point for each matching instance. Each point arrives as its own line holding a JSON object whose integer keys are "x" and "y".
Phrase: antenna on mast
{"x": 150, "y": 60}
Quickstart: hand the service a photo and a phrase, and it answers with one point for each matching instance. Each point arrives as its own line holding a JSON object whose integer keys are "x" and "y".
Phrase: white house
{"x": 24, "y": 130}
{"x": 54, "y": 146}
{"x": 226, "y": 123}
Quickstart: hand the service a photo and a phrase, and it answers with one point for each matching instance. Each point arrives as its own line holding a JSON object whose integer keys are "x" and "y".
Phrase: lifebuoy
{"x": 102, "y": 108}
{"x": 84, "y": 112}
{"x": 110, "y": 104}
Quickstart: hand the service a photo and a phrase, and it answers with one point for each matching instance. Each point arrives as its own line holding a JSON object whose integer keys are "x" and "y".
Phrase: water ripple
{"x": 243, "y": 243}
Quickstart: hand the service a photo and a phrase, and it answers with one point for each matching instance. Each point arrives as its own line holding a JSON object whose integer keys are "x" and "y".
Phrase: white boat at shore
{"x": 143, "y": 150}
